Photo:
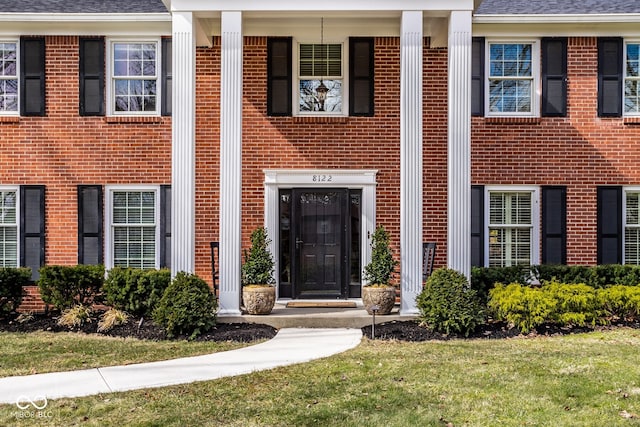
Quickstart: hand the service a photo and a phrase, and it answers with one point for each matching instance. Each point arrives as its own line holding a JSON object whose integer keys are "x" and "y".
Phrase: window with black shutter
{"x": 32, "y": 76}
{"x": 92, "y": 76}
{"x": 32, "y": 228}
{"x": 90, "y": 220}
{"x": 609, "y": 232}
{"x": 167, "y": 77}
{"x": 609, "y": 77}
{"x": 477, "y": 226}
{"x": 165, "y": 226}
{"x": 279, "y": 76}
{"x": 477, "y": 76}
{"x": 361, "y": 76}
{"x": 554, "y": 225}
{"x": 554, "y": 76}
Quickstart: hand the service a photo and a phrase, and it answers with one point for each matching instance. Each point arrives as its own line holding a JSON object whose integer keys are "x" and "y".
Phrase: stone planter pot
{"x": 382, "y": 296}
{"x": 258, "y": 299}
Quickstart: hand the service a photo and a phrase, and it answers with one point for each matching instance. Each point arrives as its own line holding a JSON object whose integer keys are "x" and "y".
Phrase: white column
{"x": 459, "y": 146}
{"x": 183, "y": 145}
{"x": 410, "y": 160}
{"x": 230, "y": 162}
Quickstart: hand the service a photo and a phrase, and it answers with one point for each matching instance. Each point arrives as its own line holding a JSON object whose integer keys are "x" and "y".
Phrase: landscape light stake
{"x": 374, "y": 309}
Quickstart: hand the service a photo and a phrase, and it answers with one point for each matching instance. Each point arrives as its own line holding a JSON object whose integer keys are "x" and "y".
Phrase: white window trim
{"x": 109, "y": 86}
{"x": 535, "y": 217}
{"x": 18, "y": 215}
{"x": 625, "y": 191}
{"x": 535, "y": 77}
{"x": 108, "y": 216}
{"x": 295, "y": 70}
{"x": 624, "y": 77}
{"x": 17, "y": 42}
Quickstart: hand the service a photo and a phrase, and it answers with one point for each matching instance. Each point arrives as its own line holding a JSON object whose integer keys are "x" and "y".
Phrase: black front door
{"x": 319, "y": 234}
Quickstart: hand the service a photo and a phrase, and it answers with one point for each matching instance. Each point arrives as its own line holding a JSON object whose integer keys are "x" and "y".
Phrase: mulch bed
{"x": 249, "y": 332}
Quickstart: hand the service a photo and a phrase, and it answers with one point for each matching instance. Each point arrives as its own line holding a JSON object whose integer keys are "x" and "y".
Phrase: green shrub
{"x": 448, "y": 305}
{"x": 576, "y": 304}
{"x": 66, "y": 286}
{"x": 382, "y": 266}
{"x": 134, "y": 290}
{"x": 520, "y": 305}
{"x": 258, "y": 265}
{"x": 12, "y": 281}
{"x": 620, "y": 302}
{"x": 483, "y": 279}
{"x": 187, "y": 307}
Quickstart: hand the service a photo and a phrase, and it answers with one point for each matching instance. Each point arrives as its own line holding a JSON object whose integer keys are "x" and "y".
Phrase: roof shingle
{"x": 552, "y": 7}
{"x": 82, "y": 6}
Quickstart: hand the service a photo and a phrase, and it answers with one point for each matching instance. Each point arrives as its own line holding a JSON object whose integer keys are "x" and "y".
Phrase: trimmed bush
{"x": 135, "y": 291}
{"x": 66, "y": 286}
{"x": 12, "y": 281}
{"x": 448, "y": 305}
{"x": 187, "y": 307}
{"x": 576, "y": 304}
{"x": 522, "y": 306}
{"x": 620, "y": 302}
{"x": 483, "y": 279}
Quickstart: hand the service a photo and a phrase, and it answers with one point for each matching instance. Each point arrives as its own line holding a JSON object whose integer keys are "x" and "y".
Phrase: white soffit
{"x": 85, "y": 24}
{"x": 574, "y": 29}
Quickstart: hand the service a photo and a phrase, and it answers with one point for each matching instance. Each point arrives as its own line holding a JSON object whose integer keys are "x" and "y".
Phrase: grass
{"x": 40, "y": 352}
{"x": 579, "y": 380}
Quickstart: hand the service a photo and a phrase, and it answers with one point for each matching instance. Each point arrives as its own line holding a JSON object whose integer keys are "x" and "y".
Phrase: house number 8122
{"x": 322, "y": 178}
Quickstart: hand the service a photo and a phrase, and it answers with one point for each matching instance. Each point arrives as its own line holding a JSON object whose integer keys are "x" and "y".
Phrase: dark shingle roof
{"x": 82, "y": 6}
{"x": 551, "y": 7}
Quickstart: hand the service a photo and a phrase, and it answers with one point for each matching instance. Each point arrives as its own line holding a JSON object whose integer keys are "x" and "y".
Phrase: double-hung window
{"x": 320, "y": 78}
{"x": 513, "y": 218}
{"x": 632, "y": 79}
{"x": 9, "y": 73}
{"x": 134, "y": 85}
{"x": 8, "y": 227}
{"x": 512, "y": 78}
{"x": 133, "y": 227}
{"x": 632, "y": 227}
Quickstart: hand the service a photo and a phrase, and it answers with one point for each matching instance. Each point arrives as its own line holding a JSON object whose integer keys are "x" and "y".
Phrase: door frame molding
{"x": 362, "y": 179}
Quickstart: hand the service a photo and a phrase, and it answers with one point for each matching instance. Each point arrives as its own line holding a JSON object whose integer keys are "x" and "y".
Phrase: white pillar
{"x": 410, "y": 160}
{"x": 230, "y": 162}
{"x": 459, "y": 145}
{"x": 183, "y": 145}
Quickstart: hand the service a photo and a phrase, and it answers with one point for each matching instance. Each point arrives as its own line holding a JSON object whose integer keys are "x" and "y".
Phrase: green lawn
{"x": 40, "y": 352}
{"x": 579, "y": 380}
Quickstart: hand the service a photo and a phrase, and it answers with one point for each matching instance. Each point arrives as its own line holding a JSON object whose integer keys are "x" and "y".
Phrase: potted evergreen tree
{"x": 378, "y": 290}
{"x": 258, "y": 290}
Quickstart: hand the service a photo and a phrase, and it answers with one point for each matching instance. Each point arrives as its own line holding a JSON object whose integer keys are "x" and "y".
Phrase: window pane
{"x": 632, "y": 246}
{"x": 310, "y": 100}
{"x": 8, "y": 59}
{"x": 631, "y": 97}
{"x": 632, "y": 208}
{"x": 633, "y": 60}
{"x": 510, "y": 228}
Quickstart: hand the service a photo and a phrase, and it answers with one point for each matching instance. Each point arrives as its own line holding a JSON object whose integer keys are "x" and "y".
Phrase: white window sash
{"x": 627, "y": 78}
{"x": 112, "y": 78}
{"x": 16, "y": 77}
{"x": 16, "y": 190}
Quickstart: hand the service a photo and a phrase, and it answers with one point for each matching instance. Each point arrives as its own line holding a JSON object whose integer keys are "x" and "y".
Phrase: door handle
{"x": 298, "y": 242}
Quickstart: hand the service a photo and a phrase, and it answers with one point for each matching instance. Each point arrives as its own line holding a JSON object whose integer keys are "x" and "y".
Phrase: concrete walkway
{"x": 290, "y": 346}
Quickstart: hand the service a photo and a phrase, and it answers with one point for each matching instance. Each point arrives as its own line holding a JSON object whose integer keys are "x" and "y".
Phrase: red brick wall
{"x": 63, "y": 150}
{"x": 580, "y": 151}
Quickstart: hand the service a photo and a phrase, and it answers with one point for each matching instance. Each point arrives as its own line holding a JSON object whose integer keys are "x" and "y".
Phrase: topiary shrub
{"x": 382, "y": 266}
{"x": 620, "y": 302}
{"x": 66, "y": 286}
{"x": 448, "y": 305}
{"x": 258, "y": 265}
{"x": 12, "y": 281}
{"x": 134, "y": 290}
{"x": 522, "y": 306}
{"x": 188, "y": 307}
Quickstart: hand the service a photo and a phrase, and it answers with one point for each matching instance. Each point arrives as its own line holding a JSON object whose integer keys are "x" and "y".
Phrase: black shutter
{"x": 477, "y": 225}
{"x": 32, "y": 76}
{"x": 279, "y": 76}
{"x": 477, "y": 76}
{"x": 165, "y": 226}
{"x": 554, "y": 225}
{"x": 609, "y": 77}
{"x": 167, "y": 77}
{"x": 361, "y": 81}
{"x": 32, "y": 227}
{"x": 610, "y": 225}
{"x": 90, "y": 220}
{"x": 92, "y": 76}
{"x": 554, "y": 77}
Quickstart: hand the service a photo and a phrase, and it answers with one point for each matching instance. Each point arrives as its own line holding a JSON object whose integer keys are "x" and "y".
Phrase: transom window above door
{"x": 320, "y": 78}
